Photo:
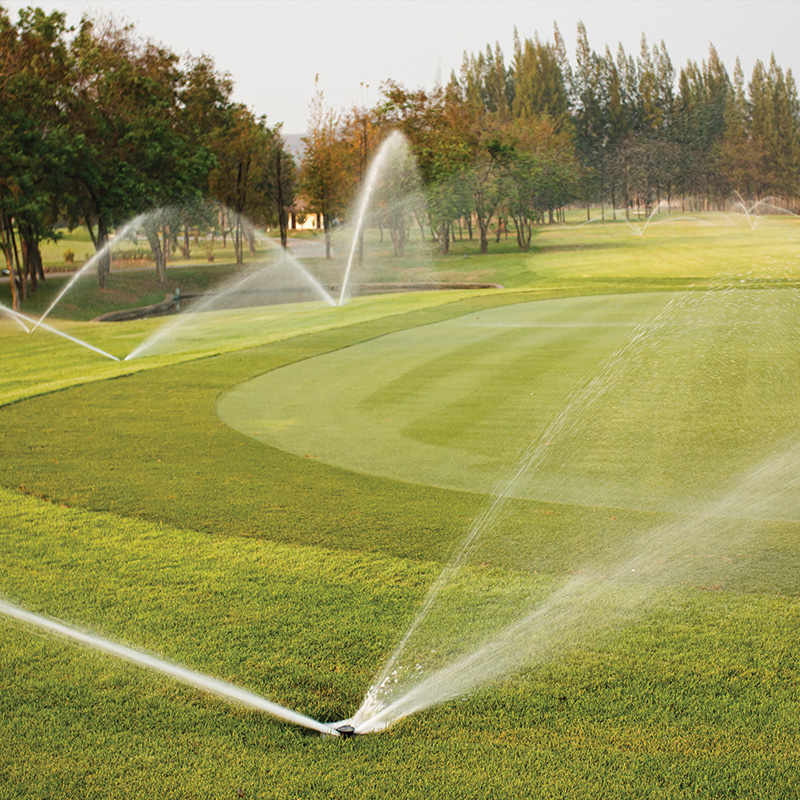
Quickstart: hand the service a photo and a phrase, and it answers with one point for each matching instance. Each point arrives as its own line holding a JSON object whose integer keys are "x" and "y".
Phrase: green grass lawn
{"x": 451, "y": 404}
{"x": 80, "y": 243}
{"x": 290, "y": 555}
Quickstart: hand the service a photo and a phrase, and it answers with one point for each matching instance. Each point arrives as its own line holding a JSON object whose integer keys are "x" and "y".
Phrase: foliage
{"x": 638, "y": 132}
{"x": 35, "y": 144}
{"x": 100, "y": 126}
{"x": 327, "y": 166}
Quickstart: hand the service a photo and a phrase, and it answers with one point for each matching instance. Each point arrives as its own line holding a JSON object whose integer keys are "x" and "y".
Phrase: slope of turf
{"x": 699, "y": 700}
{"x": 295, "y": 577}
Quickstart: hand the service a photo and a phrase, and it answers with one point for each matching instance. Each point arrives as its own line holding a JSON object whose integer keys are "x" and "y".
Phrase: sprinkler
{"x": 346, "y": 731}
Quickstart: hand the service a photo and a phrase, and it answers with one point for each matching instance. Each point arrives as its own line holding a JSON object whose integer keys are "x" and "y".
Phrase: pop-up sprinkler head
{"x": 347, "y": 731}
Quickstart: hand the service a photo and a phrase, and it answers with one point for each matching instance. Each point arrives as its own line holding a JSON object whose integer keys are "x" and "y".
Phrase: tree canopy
{"x": 98, "y": 125}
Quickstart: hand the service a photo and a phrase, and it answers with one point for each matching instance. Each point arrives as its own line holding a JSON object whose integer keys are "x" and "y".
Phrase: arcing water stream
{"x": 393, "y": 141}
{"x": 223, "y": 689}
{"x": 120, "y": 234}
{"x": 264, "y": 278}
{"x": 22, "y": 317}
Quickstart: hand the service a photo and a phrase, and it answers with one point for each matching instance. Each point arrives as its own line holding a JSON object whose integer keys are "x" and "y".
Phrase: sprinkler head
{"x": 347, "y": 731}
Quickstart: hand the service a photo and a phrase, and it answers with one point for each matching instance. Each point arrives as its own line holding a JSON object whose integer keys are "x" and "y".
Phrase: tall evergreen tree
{"x": 539, "y": 87}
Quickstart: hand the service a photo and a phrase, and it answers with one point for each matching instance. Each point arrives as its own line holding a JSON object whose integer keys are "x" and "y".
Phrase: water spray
{"x": 50, "y": 328}
{"x": 106, "y": 249}
{"x": 226, "y": 691}
{"x": 394, "y": 139}
{"x": 15, "y": 316}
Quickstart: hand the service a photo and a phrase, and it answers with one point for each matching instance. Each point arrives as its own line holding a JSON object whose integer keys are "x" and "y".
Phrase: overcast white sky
{"x": 273, "y": 49}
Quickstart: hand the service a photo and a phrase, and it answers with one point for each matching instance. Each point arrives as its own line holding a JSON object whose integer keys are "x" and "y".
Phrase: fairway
{"x": 666, "y": 399}
{"x": 449, "y": 404}
{"x": 267, "y": 498}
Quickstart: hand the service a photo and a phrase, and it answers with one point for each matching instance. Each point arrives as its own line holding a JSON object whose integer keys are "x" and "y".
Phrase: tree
{"x": 738, "y": 152}
{"x": 34, "y": 145}
{"x": 243, "y": 148}
{"x": 439, "y": 127}
{"x": 590, "y": 120}
{"x": 538, "y": 82}
{"x": 773, "y": 130}
{"x": 487, "y": 191}
{"x": 282, "y": 198}
{"x": 124, "y": 114}
{"x": 327, "y": 165}
{"x": 519, "y": 188}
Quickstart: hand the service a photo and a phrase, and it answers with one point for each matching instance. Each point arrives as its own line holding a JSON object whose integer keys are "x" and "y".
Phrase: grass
{"x": 396, "y": 424}
{"x": 125, "y": 288}
{"x": 425, "y": 414}
{"x": 672, "y": 251}
{"x": 80, "y": 243}
{"x": 131, "y": 509}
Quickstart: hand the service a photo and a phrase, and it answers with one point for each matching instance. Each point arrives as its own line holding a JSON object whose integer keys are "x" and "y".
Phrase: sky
{"x": 275, "y": 49}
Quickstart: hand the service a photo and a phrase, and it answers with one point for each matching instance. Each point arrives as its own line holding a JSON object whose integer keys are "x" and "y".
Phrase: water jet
{"x": 226, "y": 691}
{"x": 123, "y": 231}
{"x": 15, "y": 316}
{"x": 460, "y": 641}
{"x": 391, "y": 182}
{"x": 57, "y": 332}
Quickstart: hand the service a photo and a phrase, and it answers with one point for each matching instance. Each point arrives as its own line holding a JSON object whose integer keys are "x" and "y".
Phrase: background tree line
{"x": 98, "y": 126}
{"x": 505, "y": 146}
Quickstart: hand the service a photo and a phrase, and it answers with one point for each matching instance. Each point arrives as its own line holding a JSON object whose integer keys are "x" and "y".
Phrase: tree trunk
{"x": 159, "y": 251}
{"x": 31, "y": 256}
{"x": 8, "y": 253}
{"x": 421, "y": 223}
{"x": 484, "y": 237}
{"x": 186, "y": 250}
{"x": 444, "y": 239}
{"x": 238, "y": 243}
{"x": 22, "y": 278}
{"x": 327, "y": 227}
{"x": 283, "y": 223}
{"x": 103, "y": 252}
{"x": 524, "y": 228}
{"x": 223, "y": 226}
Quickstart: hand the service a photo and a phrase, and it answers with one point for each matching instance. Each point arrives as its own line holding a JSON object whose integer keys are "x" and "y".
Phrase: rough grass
{"x": 129, "y": 508}
{"x": 698, "y": 701}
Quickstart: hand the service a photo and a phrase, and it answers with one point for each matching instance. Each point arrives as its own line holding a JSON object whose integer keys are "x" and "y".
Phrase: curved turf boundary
{"x": 151, "y": 445}
{"x": 449, "y": 405}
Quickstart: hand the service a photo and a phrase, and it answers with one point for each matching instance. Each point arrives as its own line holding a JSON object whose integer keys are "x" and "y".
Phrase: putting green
{"x": 656, "y": 401}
